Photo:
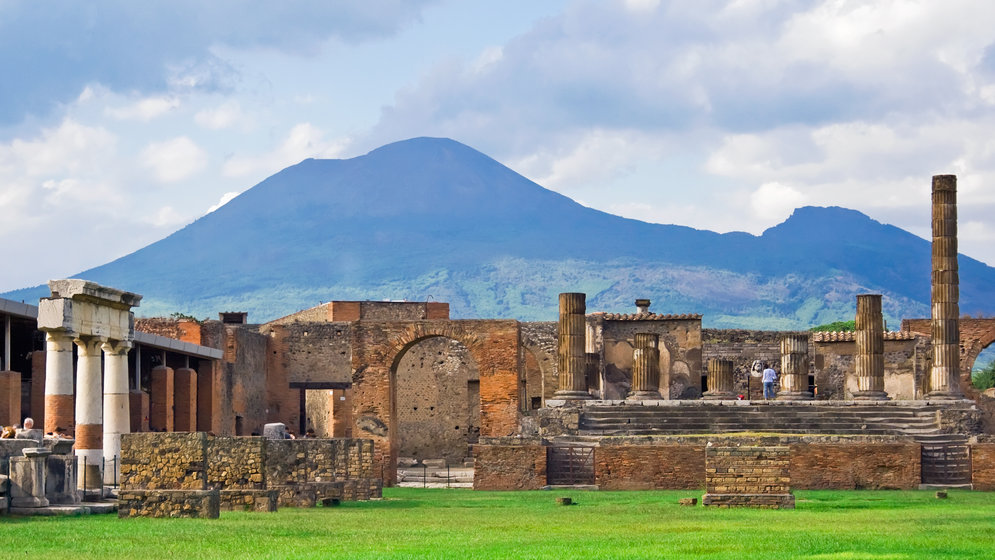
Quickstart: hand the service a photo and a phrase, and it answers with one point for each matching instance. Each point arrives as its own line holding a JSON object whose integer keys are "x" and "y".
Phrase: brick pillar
{"x": 117, "y": 416}
{"x": 794, "y": 368}
{"x": 645, "y": 367}
{"x": 572, "y": 358}
{"x": 10, "y": 398}
{"x": 944, "y": 378}
{"x": 185, "y": 400}
{"x": 719, "y": 380}
{"x": 138, "y": 408}
{"x": 59, "y": 382}
{"x": 89, "y": 411}
{"x": 161, "y": 417}
{"x": 205, "y": 397}
{"x": 869, "y": 360}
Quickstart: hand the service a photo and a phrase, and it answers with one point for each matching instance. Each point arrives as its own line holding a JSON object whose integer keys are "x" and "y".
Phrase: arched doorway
{"x": 435, "y": 399}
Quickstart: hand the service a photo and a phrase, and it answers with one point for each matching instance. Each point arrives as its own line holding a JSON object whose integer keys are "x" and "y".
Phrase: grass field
{"x": 410, "y": 523}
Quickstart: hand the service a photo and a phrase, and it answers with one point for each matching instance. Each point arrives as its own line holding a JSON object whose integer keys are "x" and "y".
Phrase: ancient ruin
{"x": 607, "y": 400}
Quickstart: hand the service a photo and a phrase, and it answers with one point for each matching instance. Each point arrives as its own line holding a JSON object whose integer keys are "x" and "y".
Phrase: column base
{"x": 718, "y": 396}
{"x": 796, "y": 396}
{"x": 644, "y": 396}
{"x": 945, "y": 396}
{"x": 871, "y": 396}
{"x": 572, "y": 395}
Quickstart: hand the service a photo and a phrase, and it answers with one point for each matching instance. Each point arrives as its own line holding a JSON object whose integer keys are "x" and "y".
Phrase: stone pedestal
{"x": 60, "y": 480}
{"x": 27, "y": 478}
{"x": 572, "y": 356}
{"x": 720, "y": 381}
{"x": 794, "y": 369}
{"x": 944, "y": 378}
{"x": 645, "y": 368}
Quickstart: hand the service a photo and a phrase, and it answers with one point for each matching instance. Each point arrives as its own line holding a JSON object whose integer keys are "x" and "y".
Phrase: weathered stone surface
{"x": 249, "y": 500}
{"x": 164, "y": 461}
{"x": 855, "y": 466}
{"x": 203, "y": 504}
{"x": 236, "y": 463}
{"x": 748, "y": 476}
{"x": 646, "y": 467}
{"x": 509, "y": 467}
{"x": 983, "y": 466}
{"x": 688, "y": 501}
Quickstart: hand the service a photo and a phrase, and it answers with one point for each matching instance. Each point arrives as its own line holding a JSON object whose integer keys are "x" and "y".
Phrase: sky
{"x": 122, "y": 121}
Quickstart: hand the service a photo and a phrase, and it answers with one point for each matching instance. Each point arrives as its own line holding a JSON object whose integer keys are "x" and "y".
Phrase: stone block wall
{"x": 164, "y": 461}
{"x": 743, "y": 347}
{"x": 748, "y": 476}
{"x": 648, "y": 467}
{"x": 236, "y": 463}
{"x": 983, "y": 466}
{"x": 855, "y": 466}
{"x": 507, "y": 466}
{"x": 680, "y": 354}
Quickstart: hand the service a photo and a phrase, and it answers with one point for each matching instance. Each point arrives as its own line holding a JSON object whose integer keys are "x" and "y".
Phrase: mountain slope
{"x": 434, "y": 218}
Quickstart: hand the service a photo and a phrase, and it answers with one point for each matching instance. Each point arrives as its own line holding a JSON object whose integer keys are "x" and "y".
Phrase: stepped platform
{"x": 591, "y": 420}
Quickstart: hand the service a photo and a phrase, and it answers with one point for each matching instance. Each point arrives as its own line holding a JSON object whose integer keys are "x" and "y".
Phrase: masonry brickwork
{"x": 649, "y": 467}
{"x": 518, "y": 466}
{"x": 983, "y": 466}
{"x": 748, "y": 476}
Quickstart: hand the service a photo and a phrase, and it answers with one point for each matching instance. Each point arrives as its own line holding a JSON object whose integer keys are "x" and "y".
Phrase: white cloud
{"x": 69, "y": 148}
{"x": 227, "y": 115}
{"x": 775, "y": 201}
{"x": 166, "y": 216}
{"x": 174, "y": 160}
{"x": 225, "y": 199}
{"x": 143, "y": 109}
{"x": 303, "y": 141}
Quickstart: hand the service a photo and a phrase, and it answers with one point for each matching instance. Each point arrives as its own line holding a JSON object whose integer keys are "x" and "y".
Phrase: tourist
{"x": 769, "y": 377}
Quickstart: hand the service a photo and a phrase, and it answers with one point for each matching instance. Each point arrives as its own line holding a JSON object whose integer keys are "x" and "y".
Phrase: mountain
{"x": 430, "y": 218}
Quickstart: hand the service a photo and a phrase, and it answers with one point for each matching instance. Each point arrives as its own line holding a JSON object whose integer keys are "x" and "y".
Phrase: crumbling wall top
{"x": 75, "y": 288}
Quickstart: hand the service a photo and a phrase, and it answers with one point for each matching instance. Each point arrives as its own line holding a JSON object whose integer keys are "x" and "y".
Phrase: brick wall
{"x": 642, "y": 467}
{"x": 748, "y": 476}
{"x": 983, "y": 466}
{"x": 855, "y": 466}
{"x": 509, "y": 467}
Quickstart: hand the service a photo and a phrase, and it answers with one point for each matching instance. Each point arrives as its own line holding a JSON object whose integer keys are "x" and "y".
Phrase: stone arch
{"x": 538, "y": 377}
{"x": 976, "y": 335}
{"x": 435, "y": 399}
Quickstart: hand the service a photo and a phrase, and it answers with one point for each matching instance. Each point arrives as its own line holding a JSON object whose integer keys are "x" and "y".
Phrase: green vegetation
{"x": 414, "y": 523}
{"x": 984, "y": 378}
{"x": 836, "y": 326}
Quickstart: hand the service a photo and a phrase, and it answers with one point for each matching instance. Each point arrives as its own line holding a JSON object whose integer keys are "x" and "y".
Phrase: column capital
{"x": 89, "y": 345}
{"x": 116, "y": 347}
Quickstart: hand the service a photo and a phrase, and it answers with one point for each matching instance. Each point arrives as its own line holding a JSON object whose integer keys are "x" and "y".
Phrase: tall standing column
{"x": 794, "y": 368}
{"x": 89, "y": 415}
{"x": 59, "y": 381}
{"x": 572, "y": 358}
{"x": 944, "y": 378}
{"x": 117, "y": 409}
{"x": 719, "y": 380}
{"x": 646, "y": 367}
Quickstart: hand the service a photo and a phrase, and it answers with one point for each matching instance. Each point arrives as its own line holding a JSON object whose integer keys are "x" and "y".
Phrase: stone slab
{"x": 762, "y": 501}
{"x": 202, "y": 504}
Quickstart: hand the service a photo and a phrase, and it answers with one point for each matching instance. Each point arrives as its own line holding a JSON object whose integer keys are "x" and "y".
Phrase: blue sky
{"x": 121, "y": 122}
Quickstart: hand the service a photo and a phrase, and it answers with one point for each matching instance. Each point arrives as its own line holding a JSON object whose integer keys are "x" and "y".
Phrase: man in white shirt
{"x": 769, "y": 377}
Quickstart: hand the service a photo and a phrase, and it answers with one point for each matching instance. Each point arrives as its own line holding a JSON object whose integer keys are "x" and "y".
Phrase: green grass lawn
{"x": 410, "y": 523}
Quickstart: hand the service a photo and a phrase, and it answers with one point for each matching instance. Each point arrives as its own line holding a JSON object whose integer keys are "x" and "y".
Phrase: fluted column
{"x": 944, "y": 378}
{"x": 794, "y": 368}
{"x": 645, "y": 367}
{"x": 869, "y": 361}
{"x": 720, "y": 380}
{"x": 89, "y": 414}
{"x": 572, "y": 358}
{"x": 59, "y": 381}
{"x": 117, "y": 410}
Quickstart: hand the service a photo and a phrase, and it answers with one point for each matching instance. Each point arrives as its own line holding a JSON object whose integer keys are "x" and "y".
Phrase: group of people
{"x": 29, "y": 431}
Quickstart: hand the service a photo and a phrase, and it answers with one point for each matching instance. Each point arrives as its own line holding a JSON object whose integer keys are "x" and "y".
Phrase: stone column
{"x": 794, "y": 368}
{"x": 719, "y": 380}
{"x": 645, "y": 367}
{"x": 944, "y": 378}
{"x": 59, "y": 381}
{"x": 117, "y": 406}
{"x": 870, "y": 349}
{"x": 89, "y": 412}
{"x": 572, "y": 358}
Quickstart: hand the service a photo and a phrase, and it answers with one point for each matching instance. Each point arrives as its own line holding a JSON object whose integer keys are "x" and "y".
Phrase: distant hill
{"x": 430, "y": 218}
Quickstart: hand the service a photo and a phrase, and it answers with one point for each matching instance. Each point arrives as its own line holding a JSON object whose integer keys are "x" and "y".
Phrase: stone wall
{"x": 520, "y": 466}
{"x": 857, "y": 466}
{"x": 164, "y": 461}
{"x": 313, "y": 352}
{"x": 906, "y": 363}
{"x": 644, "y": 467}
{"x": 743, "y": 347}
{"x": 680, "y": 354}
{"x": 750, "y": 476}
{"x": 983, "y": 466}
{"x": 539, "y": 363}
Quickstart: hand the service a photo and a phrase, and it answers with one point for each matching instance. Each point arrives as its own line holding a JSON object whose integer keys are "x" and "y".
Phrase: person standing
{"x": 769, "y": 378}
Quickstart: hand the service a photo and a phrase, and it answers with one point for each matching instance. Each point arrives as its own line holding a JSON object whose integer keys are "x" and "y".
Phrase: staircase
{"x": 946, "y": 461}
{"x": 783, "y": 418}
